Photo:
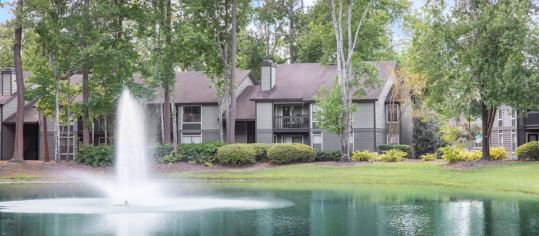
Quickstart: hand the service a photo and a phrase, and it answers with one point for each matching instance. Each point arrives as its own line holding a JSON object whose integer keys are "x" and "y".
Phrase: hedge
{"x": 401, "y": 147}
{"x": 96, "y": 156}
{"x": 327, "y": 156}
{"x": 288, "y": 153}
{"x": 261, "y": 151}
{"x": 236, "y": 154}
{"x": 528, "y": 151}
{"x": 200, "y": 153}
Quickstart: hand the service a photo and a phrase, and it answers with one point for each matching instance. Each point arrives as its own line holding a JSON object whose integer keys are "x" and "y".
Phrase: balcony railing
{"x": 291, "y": 122}
{"x": 532, "y": 119}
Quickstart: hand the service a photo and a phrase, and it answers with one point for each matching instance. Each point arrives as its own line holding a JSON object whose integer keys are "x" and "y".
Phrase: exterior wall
{"x": 506, "y": 129}
{"x": 209, "y": 123}
{"x": 380, "y": 113}
{"x": 9, "y": 108}
{"x": 330, "y": 141}
{"x": 406, "y": 126}
{"x": 8, "y": 138}
{"x": 364, "y": 116}
{"x": 264, "y": 122}
{"x": 6, "y": 84}
{"x": 364, "y": 139}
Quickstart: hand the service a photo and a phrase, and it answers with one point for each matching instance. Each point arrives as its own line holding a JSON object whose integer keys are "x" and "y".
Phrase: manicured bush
{"x": 328, "y": 156}
{"x": 393, "y": 155}
{"x": 161, "y": 150}
{"x": 528, "y": 151}
{"x": 401, "y": 147}
{"x": 287, "y": 153}
{"x": 364, "y": 155}
{"x": 261, "y": 151}
{"x": 236, "y": 154}
{"x": 96, "y": 156}
{"x": 498, "y": 153}
{"x": 451, "y": 153}
{"x": 429, "y": 157}
{"x": 200, "y": 153}
{"x": 474, "y": 155}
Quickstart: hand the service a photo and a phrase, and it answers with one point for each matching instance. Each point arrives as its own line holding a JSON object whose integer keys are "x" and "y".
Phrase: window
{"x": 67, "y": 142}
{"x": 191, "y": 114}
{"x": 500, "y": 117}
{"x": 500, "y": 137}
{"x": 313, "y": 119}
{"x": 513, "y": 141}
{"x": 317, "y": 138}
{"x": 392, "y": 139}
{"x": 513, "y": 118}
{"x": 292, "y": 139}
{"x": 351, "y": 141}
{"x": 392, "y": 113}
{"x": 191, "y": 138}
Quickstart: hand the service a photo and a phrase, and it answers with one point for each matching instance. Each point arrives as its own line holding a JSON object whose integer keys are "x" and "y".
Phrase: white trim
{"x": 387, "y": 113}
{"x": 514, "y": 141}
{"x": 311, "y": 115}
{"x": 500, "y": 138}
{"x": 353, "y": 143}
{"x": 500, "y": 117}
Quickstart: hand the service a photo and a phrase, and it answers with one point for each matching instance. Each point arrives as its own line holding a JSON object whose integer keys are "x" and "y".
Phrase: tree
{"x": 231, "y": 118}
{"x": 426, "y": 136}
{"x": 18, "y": 154}
{"x": 483, "y": 53}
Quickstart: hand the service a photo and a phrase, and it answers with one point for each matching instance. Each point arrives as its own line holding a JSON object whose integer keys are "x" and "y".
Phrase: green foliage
{"x": 261, "y": 151}
{"x": 236, "y": 154}
{"x": 200, "y": 153}
{"x": 328, "y": 156}
{"x": 161, "y": 150}
{"x": 96, "y": 156}
{"x": 330, "y": 109}
{"x": 429, "y": 156}
{"x": 498, "y": 153}
{"x": 401, "y": 147}
{"x": 393, "y": 155}
{"x": 365, "y": 155}
{"x": 426, "y": 134}
{"x": 288, "y": 153}
{"x": 172, "y": 157}
{"x": 451, "y": 153}
{"x": 528, "y": 151}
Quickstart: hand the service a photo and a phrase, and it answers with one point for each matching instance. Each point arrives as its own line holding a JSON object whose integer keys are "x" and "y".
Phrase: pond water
{"x": 351, "y": 210}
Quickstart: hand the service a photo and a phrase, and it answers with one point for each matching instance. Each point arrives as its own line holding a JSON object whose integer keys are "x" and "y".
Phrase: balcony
{"x": 291, "y": 123}
{"x": 532, "y": 119}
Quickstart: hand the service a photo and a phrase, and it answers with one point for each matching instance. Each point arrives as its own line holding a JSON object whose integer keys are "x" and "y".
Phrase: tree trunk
{"x": 167, "y": 76}
{"x": 487, "y": 121}
{"x": 292, "y": 34}
{"x": 85, "y": 88}
{"x": 231, "y": 124}
{"x": 44, "y": 137}
{"x": 166, "y": 115}
{"x": 18, "y": 151}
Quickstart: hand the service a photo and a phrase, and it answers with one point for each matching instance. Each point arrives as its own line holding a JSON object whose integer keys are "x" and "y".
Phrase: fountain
{"x": 132, "y": 190}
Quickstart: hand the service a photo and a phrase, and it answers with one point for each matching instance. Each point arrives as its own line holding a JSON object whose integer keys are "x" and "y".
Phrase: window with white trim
{"x": 191, "y": 114}
{"x": 317, "y": 139}
{"x": 191, "y": 138}
{"x": 392, "y": 113}
{"x": 513, "y": 140}
{"x": 392, "y": 139}
{"x": 500, "y": 138}
{"x": 313, "y": 118}
{"x": 500, "y": 117}
{"x": 513, "y": 117}
{"x": 351, "y": 141}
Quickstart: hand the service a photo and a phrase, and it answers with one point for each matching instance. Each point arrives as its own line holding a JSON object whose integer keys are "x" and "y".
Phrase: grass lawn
{"x": 505, "y": 177}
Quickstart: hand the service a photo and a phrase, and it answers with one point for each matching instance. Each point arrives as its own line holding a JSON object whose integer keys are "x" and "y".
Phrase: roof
{"x": 303, "y": 81}
{"x": 196, "y": 87}
{"x": 31, "y": 115}
{"x": 245, "y": 107}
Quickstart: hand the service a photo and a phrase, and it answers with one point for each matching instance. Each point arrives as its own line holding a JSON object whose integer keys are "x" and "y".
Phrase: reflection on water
{"x": 365, "y": 212}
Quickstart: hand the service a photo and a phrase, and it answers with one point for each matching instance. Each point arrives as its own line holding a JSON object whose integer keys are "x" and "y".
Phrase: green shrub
{"x": 236, "y": 154}
{"x": 528, "y": 151}
{"x": 261, "y": 151}
{"x": 474, "y": 155}
{"x": 287, "y": 153}
{"x": 364, "y": 155}
{"x": 174, "y": 156}
{"x": 393, "y": 155}
{"x": 161, "y": 150}
{"x": 328, "y": 156}
{"x": 498, "y": 153}
{"x": 451, "y": 153}
{"x": 96, "y": 156}
{"x": 200, "y": 153}
{"x": 429, "y": 157}
{"x": 401, "y": 147}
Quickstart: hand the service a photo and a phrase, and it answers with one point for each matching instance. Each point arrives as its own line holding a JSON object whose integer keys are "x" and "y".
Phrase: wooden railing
{"x": 291, "y": 122}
